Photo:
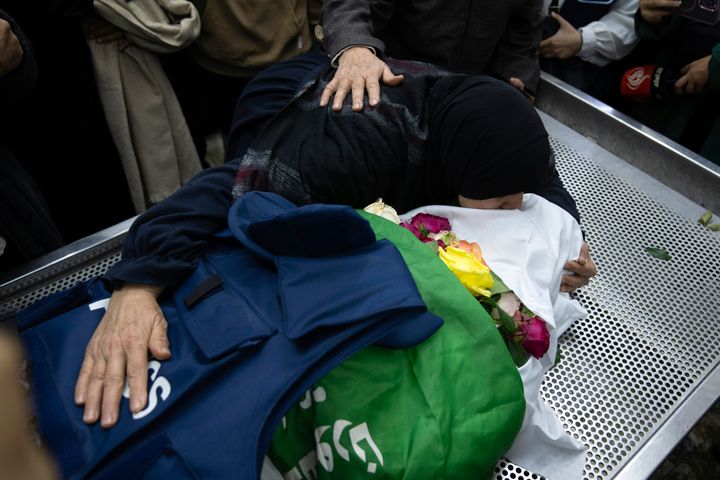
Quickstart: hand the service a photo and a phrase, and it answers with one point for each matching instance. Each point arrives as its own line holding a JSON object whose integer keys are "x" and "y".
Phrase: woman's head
{"x": 487, "y": 140}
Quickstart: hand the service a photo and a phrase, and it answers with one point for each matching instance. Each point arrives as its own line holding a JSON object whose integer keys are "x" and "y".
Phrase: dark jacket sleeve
{"x": 654, "y": 32}
{"x": 349, "y": 22}
{"x": 21, "y": 80}
{"x": 164, "y": 243}
{"x": 714, "y": 68}
{"x": 516, "y": 53}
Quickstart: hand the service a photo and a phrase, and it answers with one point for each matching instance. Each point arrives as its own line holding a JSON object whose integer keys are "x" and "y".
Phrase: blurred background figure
{"x": 583, "y": 40}
{"x": 26, "y": 227}
{"x": 57, "y": 130}
{"x": 20, "y": 456}
{"x": 237, "y": 40}
{"x": 681, "y": 69}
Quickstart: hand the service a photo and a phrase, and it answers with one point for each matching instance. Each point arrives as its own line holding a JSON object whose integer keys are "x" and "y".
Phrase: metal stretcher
{"x": 644, "y": 366}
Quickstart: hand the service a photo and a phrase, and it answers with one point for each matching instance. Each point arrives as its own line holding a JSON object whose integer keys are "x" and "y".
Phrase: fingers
{"x": 118, "y": 350}
{"x": 359, "y": 71}
{"x": 680, "y": 84}
{"x": 580, "y": 271}
{"x": 563, "y": 23}
{"x": 11, "y": 52}
{"x": 584, "y": 253}
{"x": 330, "y": 88}
{"x": 340, "y": 94}
{"x": 389, "y": 78}
{"x": 105, "y": 32}
{"x": 159, "y": 344}
{"x": 517, "y": 83}
{"x": 111, "y": 381}
{"x": 358, "y": 93}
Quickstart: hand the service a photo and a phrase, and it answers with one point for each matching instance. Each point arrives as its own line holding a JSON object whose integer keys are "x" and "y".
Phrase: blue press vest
{"x": 250, "y": 330}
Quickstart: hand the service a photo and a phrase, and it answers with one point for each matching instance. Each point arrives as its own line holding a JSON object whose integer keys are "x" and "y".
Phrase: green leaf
{"x": 660, "y": 253}
{"x": 498, "y": 285}
{"x": 715, "y": 227}
{"x": 519, "y": 356}
{"x": 706, "y": 217}
{"x": 505, "y": 319}
{"x": 423, "y": 230}
{"x": 558, "y": 357}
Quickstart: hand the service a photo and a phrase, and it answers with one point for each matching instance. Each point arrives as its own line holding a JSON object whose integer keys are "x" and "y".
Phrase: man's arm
{"x": 516, "y": 53}
{"x": 609, "y": 38}
{"x": 347, "y": 23}
{"x": 348, "y": 32}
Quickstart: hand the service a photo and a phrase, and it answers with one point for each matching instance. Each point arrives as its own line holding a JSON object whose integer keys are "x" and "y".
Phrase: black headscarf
{"x": 486, "y": 139}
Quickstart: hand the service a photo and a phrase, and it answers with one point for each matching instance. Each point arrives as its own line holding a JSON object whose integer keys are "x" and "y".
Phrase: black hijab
{"x": 485, "y": 139}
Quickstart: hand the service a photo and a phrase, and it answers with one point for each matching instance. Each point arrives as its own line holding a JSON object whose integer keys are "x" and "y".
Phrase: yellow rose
{"x": 473, "y": 273}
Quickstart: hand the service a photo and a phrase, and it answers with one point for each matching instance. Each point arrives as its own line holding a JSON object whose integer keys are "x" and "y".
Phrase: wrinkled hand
{"x": 694, "y": 77}
{"x": 11, "y": 52}
{"x": 132, "y": 326}
{"x": 582, "y": 270}
{"x": 565, "y": 43}
{"x": 103, "y": 31}
{"x": 359, "y": 70}
{"x": 653, "y": 11}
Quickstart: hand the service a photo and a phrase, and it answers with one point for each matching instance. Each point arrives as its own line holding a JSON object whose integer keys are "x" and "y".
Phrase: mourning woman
{"x": 438, "y": 139}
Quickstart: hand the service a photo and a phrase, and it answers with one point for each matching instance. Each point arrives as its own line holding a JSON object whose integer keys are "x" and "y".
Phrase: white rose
{"x": 386, "y": 211}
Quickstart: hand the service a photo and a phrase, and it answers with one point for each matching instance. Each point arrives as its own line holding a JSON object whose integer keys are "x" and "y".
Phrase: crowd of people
{"x": 216, "y": 47}
{"x": 322, "y": 102}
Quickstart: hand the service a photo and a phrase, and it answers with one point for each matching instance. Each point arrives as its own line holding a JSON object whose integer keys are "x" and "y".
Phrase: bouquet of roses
{"x": 524, "y": 332}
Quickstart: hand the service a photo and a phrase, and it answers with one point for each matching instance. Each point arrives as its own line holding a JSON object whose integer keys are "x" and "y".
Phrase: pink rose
{"x": 537, "y": 337}
{"x": 427, "y": 223}
{"x": 413, "y": 229}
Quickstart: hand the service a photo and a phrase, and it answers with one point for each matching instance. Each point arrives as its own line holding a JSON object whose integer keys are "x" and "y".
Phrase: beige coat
{"x": 239, "y": 38}
{"x": 140, "y": 106}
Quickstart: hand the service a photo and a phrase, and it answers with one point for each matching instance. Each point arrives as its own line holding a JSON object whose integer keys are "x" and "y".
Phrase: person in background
{"x": 499, "y": 38}
{"x": 237, "y": 40}
{"x": 583, "y": 40}
{"x": 442, "y": 138}
{"x": 26, "y": 227}
{"x": 57, "y": 130}
{"x": 689, "y": 52}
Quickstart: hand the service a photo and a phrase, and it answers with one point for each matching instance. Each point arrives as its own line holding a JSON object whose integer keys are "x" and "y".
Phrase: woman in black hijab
{"x": 439, "y": 138}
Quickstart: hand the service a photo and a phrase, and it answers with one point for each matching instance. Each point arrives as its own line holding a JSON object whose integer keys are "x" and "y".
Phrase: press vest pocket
{"x": 220, "y": 319}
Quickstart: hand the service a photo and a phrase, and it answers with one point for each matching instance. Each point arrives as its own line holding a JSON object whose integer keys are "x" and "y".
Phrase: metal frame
{"x": 665, "y": 160}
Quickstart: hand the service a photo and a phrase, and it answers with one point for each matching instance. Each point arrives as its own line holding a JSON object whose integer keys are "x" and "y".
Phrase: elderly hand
{"x": 103, "y": 31}
{"x": 11, "y": 52}
{"x": 132, "y": 325}
{"x": 358, "y": 70}
{"x": 582, "y": 270}
{"x": 653, "y": 11}
{"x": 694, "y": 77}
{"x": 566, "y": 42}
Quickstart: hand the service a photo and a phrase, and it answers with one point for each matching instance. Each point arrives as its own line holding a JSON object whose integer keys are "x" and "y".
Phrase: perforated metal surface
{"x": 652, "y": 328}
{"x": 651, "y": 334}
{"x": 22, "y": 300}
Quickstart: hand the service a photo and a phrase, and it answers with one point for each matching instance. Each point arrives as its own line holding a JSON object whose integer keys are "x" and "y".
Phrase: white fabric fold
{"x": 528, "y": 249}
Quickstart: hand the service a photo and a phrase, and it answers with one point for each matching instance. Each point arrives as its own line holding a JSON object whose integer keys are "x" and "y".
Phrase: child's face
{"x": 507, "y": 202}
